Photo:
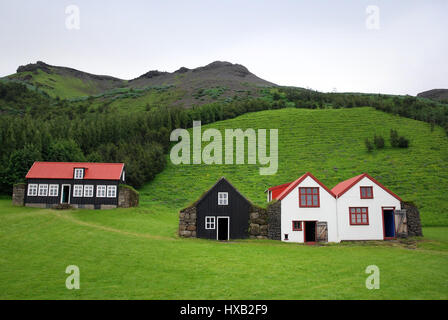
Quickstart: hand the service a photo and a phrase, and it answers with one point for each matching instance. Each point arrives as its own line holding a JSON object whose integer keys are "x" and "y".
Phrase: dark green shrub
{"x": 369, "y": 145}
{"x": 378, "y": 141}
{"x": 394, "y": 138}
{"x": 403, "y": 142}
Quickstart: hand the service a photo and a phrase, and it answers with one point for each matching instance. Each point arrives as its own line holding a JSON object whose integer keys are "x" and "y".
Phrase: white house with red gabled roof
{"x": 365, "y": 209}
{"x": 359, "y": 208}
{"x": 307, "y": 210}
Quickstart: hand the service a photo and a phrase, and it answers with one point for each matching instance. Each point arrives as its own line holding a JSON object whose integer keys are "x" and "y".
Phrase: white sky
{"x": 316, "y": 43}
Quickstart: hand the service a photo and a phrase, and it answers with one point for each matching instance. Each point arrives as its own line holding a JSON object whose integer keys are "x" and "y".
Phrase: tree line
{"x": 36, "y": 127}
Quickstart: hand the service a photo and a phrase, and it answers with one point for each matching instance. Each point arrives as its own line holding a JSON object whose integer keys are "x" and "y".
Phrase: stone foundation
{"x": 18, "y": 194}
{"x": 274, "y": 211}
{"x": 127, "y": 197}
{"x": 258, "y": 223}
{"x": 187, "y": 222}
{"x": 413, "y": 219}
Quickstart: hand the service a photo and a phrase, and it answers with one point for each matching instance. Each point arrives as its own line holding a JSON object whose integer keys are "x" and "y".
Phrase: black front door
{"x": 223, "y": 228}
{"x": 310, "y": 231}
{"x": 65, "y": 194}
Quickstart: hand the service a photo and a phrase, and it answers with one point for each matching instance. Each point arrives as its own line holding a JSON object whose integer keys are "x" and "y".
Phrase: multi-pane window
{"x": 77, "y": 190}
{"x": 79, "y": 173}
{"x": 88, "y": 191}
{"x": 223, "y": 198}
{"x": 366, "y": 193}
{"x": 359, "y": 216}
{"x": 297, "y": 226}
{"x": 100, "y": 191}
{"x": 53, "y": 190}
{"x": 309, "y": 197}
{"x": 209, "y": 223}
{"x": 111, "y": 191}
{"x": 32, "y": 190}
{"x": 43, "y": 190}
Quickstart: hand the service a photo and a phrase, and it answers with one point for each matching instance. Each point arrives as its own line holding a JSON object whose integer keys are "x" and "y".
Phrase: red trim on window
{"x": 299, "y": 228}
{"x": 356, "y": 216}
{"x": 306, "y": 194}
{"x": 366, "y": 193}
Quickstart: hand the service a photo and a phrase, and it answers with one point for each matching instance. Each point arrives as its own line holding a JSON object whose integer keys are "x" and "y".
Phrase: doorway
{"x": 310, "y": 231}
{"x": 223, "y": 228}
{"x": 65, "y": 194}
{"x": 389, "y": 223}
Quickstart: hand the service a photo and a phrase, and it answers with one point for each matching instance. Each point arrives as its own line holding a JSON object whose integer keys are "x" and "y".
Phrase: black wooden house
{"x": 222, "y": 213}
{"x": 80, "y": 185}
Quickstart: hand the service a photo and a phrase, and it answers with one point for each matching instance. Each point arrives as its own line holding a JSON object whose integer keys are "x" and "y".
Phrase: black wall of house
{"x": 237, "y": 209}
{"x": 73, "y": 200}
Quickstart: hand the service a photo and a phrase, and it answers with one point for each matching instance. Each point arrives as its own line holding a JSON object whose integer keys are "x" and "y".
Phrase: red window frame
{"x": 362, "y": 211}
{"x": 304, "y": 191}
{"x": 366, "y": 193}
{"x": 300, "y": 226}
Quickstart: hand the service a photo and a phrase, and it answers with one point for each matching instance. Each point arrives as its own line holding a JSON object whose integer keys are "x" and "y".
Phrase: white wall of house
{"x": 352, "y": 198}
{"x": 291, "y": 211}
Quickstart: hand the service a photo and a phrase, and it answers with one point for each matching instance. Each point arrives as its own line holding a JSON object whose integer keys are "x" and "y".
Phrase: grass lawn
{"x": 135, "y": 254}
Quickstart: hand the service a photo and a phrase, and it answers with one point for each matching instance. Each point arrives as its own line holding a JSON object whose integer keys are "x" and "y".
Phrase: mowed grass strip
{"x": 330, "y": 144}
{"x": 133, "y": 261}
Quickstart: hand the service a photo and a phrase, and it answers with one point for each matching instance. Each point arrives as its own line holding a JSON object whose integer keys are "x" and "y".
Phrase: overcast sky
{"x": 324, "y": 45}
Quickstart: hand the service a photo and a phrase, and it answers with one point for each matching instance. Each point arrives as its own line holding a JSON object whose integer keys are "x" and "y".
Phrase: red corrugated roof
{"x": 346, "y": 185}
{"x": 294, "y": 184}
{"x": 64, "y": 170}
{"x": 343, "y": 186}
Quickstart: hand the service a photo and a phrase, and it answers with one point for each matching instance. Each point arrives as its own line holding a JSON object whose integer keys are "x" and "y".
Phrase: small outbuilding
{"x": 222, "y": 213}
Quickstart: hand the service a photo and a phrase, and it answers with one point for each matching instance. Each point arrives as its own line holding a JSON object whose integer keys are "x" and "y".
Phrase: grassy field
{"x": 136, "y": 253}
{"x": 330, "y": 144}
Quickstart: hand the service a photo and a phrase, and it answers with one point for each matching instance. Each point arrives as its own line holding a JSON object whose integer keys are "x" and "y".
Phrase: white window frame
{"x": 103, "y": 189}
{"x": 55, "y": 189}
{"x": 79, "y": 173}
{"x": 223, "y": 201}
{"x": 88, "y": 191}
{"x": 77, "y": 191}
{"x": 110, "y": 189}
{"x": 32, "y": 190}
{"x": 43, "y": 190}
{"x": 212, "y": 223}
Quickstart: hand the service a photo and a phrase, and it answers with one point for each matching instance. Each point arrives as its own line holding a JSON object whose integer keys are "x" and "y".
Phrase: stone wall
{"x": 127, "y": 197}
{"x": 258, "y": 223}
{"x": 187, "y": 222}
{"x": 274, "y": 211}
{"x": 18, "y": 194}
{"x": 413, "y": 219}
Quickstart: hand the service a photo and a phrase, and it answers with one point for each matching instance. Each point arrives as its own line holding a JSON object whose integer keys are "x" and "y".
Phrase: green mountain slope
{"x": 215, "y": 81}
{"x": 330, "y": 144}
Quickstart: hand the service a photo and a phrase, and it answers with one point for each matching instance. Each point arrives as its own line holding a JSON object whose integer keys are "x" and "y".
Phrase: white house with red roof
{"x": 359, "y": 208}
{"x": 365, "y": 209}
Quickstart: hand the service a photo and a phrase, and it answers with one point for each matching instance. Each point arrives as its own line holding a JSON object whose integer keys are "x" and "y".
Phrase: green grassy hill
{"x": 330, "y": 144}
{"x": 136, "y": 253}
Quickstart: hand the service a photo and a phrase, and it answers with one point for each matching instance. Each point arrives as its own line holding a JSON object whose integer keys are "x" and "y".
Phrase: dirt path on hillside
{"x": 110, "y": 229}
